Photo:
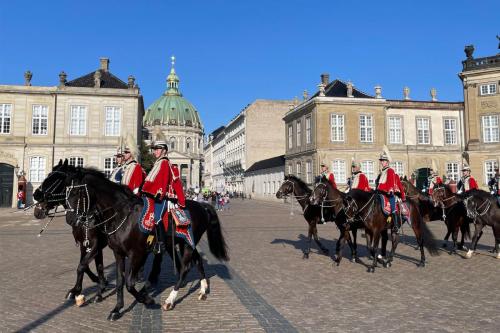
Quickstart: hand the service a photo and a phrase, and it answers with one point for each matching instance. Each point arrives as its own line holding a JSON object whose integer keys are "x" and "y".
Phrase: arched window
{"x": 172, "y": 143}
{"x": 188, "y": 145}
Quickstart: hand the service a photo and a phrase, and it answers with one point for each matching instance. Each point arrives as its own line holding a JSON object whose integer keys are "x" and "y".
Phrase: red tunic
{"x": 360, "y": 182}
{"x": 175, "y": 188}
{"x": 435, "y": 181}
{"x": 133, "y": 175}
{"x": 470, "y": 184}
{"x": 331, "y": 178}
{"x": 390, "y": 182}
{"x": 158, "y": 179}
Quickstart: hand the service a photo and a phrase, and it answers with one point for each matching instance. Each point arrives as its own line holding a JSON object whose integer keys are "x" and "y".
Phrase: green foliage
{"x": 147, "y": 159}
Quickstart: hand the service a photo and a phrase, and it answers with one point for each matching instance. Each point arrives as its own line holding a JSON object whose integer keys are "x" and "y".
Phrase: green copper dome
{"x": 171, "y": 108}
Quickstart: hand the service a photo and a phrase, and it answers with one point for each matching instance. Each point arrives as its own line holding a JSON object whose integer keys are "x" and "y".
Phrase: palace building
{"x": 179, "y": 121}
{"x": 82, "y": 119}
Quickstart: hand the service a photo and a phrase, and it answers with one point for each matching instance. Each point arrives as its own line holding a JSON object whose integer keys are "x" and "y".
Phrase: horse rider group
{"x": 161, "y": 188}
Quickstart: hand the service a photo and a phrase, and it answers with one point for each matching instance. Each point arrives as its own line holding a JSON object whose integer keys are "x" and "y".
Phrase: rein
{"x": 323, "y": 200}
{"x": 357, "y": 211}
{"x": 474, "y": 214}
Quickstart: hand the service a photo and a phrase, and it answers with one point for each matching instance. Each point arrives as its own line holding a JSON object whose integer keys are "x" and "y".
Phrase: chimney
{"x": 27, "y": 78}
{"x": 325, "y": 79}
{"x": 104, "y": 64}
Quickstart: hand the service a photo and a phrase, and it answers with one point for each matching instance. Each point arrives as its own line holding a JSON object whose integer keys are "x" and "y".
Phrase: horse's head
{"x": 51, "y": 192}
{"x": 350, "y": 207}
{"x": 320, "y": 191}
{"x": 439, "y": 195}
{"x": 286, "y": 188}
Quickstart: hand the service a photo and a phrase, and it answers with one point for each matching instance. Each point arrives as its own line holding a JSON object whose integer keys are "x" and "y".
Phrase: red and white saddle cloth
{"x": 401, "y": 207}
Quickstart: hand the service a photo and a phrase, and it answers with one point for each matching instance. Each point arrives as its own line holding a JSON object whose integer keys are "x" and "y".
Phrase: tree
{"x": 147, "y": 159}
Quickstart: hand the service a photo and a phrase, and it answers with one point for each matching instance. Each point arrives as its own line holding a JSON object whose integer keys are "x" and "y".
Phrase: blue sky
{"x": 230, "y": 53}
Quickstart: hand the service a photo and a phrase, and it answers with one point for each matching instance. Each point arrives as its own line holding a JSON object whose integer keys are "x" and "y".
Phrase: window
{"x": 299, "y": 130}
{"x": 76, "y": 161}
{"x": 298, "y": 169}
{"x": 172, "y": 143}
{"x": 78, "y": 120}
{"x": 40, "y": 120}
{"x": 452, "y": 170}
{"x": 488, "y": 89}
{"x": 5, "y": 114}
{"x": 423, "y": 131}
{"x": 489, "y": 170}
{"x": 395, "y": 130}
{"x": 290, "y": 136}
{"x": 337, "y": 129}
{"x": 308, "y": 130}
{"x": 309, "y": 172}
{"x": 37, "y": 169}
{"x": 290, "y": 169}
{"x": 113, "y": 119}
{"x": 109, "y": 165}
{"x": 338, "y": 169}
{"x": 491, "y": 131}
{"x": 398, "y": 167}
{"x": 450, "y": 131}
{"x": 368, "y": 167}
{"x": 365, "y": 128}
{"x": 188, "y": 145}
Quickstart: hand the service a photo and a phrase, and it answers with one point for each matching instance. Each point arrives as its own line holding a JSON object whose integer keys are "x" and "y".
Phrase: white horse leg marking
{"x": 169, "y": 302}
{"x": 469, "y": 254}
{"x": 203, "y": 290}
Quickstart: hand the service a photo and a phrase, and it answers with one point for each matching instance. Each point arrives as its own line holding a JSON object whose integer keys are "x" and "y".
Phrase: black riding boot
{"x": 161, "y": 243}
{"x": 396, "y": 224}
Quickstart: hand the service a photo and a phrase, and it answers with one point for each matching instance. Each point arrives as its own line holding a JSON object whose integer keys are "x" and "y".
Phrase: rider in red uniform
{"x": 435, "y": 181}
{"x": 328, "y": 174}
{"x": 467, "y": 183}
{"x": 133, "y": 173}
{"x": 176, "y": 191}
{"x": 358, "y": 180}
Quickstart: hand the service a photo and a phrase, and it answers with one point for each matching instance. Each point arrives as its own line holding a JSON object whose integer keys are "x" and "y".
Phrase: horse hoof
{"x": 114, "y": 316}
{"x": 421, "y": 264}
{"x": 469, "y": 253}
{"x": 306, "y": 256}
{"x": 167, "y": 306}
{"x": 70, "y": 295}
{"x": 202, "y": 297}
{"x": 97, "y": 299}
{"x": 80, "y": 300}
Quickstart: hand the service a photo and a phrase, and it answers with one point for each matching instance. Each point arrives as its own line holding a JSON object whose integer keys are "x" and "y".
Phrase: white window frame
{"x": 398, "y": 167}
{"x": 450, "y": 132}
{"x": 366, "y": 128}
{"x": 290, "y": 169}
{"x": 37, "y": 168}
{"x": 308, "y": 172}
{"x": 298, "y": 169}
{"x": 395, "y": 132}
{"x": 112, "y": 120}
{"x": 368, "y": 168}
{"x": 339, "y": 171}
{"x": 109, "y": 164}
{"x": 423, "y": 127}
{"x": 489, "y": 170}
{"x": 308, "y": 130}
{"x": 77, "y": 112}
{"x": 337, "y": 127}
{"x": 290, "y": 136}
{"x": 452, "y": 169}
{"x": 76, "y": 161}
{"x": 488, "y": 89}
{"x": 491, "y": 128}
{"x": 39, "y": 119}
{"x": 5, "y": 118}
{"x": 298, "y": 127}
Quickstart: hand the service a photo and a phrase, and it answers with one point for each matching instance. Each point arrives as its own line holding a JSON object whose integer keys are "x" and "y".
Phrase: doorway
{"x": 6, "y": 184}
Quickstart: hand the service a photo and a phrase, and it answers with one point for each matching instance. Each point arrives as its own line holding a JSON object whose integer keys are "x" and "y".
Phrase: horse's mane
{"x": 479, "y": 193}
{"x": 299, "y": 181}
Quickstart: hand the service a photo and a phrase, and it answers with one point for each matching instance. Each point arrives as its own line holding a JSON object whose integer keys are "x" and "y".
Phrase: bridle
{"x": 357, "y": 211}
{"x": 475, "y": 213}
{"x": 331, "y": 203}
{"x": 443, "y": 202}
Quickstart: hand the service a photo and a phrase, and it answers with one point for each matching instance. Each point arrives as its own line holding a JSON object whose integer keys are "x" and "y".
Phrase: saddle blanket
{"x": 401, "y": 207}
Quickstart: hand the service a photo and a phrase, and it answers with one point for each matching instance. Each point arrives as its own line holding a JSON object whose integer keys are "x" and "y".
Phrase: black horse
{"x": 453, "y": 217}
{"x": 90, "y": 193}
{"x": 482, "y": 208}
{"x": 295, "y": 187}
{"x": 52, "y": 193}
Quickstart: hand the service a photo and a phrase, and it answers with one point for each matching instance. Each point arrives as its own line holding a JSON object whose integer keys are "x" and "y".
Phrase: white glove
{"x": 170, "y": 205}
{"x": 492, "y": 192}
{"x": 459, "y": 192}
{"x": 136, "y": 190}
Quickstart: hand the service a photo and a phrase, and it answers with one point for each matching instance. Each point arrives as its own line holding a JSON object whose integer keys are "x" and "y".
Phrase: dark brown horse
{"x": 297, "y": 189}
{"x": 454, "y": 215}
{"x": 483, "y": 209}
{"x": 366, "y": 208}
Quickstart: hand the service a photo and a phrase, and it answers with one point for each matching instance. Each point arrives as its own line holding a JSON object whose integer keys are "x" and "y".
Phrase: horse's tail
{"x": 216, "y": 241}
{"x": 428, "y": 239}
{"x": 465, "y": 229}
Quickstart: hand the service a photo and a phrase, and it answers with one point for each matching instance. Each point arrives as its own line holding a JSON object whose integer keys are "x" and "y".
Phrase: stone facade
{"x": 72, "y": 120}
{"x": 264, "y": 178}
{"x": 481, "y": 82}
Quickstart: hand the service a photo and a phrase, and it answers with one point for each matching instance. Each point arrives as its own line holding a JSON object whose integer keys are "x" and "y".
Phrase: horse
{"x": 454, "y": 215}
{"x": 482, "y": 208}
{"x": 51, "y": 194}
{"x": 294, "y": 186}
{"x": 90, "y": 193}
{"x": 366, "y": 207}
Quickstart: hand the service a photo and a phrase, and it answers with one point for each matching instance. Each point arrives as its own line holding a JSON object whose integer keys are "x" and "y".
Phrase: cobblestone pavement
{"x": 266, "y": 286}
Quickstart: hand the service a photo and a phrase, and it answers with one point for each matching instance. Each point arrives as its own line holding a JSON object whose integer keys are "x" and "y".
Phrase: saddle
{"x": 401, "y": 207}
